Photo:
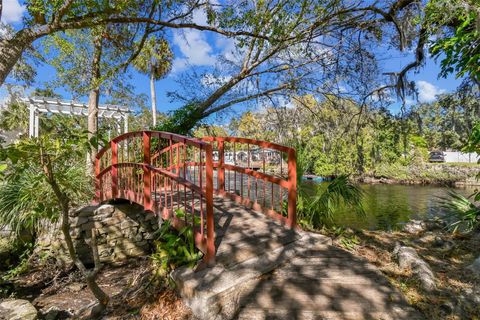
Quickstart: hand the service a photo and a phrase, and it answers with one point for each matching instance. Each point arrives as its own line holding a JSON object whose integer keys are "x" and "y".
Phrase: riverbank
{"x": 456, "y": 295}
{"x": 445, "y": 174}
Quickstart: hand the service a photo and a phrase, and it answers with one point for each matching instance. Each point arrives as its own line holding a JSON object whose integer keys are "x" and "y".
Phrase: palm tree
{"x": 154, "y": 60}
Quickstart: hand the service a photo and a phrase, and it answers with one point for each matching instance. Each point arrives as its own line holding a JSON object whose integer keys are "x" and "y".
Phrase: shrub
{"x": 464, "y": 213}
{"x": 175, "y": 248}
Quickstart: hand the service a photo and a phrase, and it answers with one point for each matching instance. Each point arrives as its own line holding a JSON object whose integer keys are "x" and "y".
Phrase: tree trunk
{"x": 154, "y": 98}
{"x": 90, "y": 275}
{"x": 11, "y": 51}
{"x": 93, "y": 98}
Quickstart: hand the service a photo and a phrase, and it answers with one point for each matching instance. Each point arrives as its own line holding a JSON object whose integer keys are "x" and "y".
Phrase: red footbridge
{"x": 177, "y": 178}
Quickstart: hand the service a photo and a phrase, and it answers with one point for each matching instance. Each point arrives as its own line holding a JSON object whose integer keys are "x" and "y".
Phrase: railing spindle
{"x": 113, "y": 146}
{"x": 147, "y": 174}
{"x": 221, "y": 168}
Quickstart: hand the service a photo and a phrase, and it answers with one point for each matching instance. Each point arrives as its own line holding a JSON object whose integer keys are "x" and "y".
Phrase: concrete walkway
{"x": 265, "y": 271}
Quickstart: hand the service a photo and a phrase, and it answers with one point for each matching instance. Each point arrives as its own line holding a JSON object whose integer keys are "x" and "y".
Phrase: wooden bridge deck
{"x": 242, "y": 234}
{"x": 317, "y": 281}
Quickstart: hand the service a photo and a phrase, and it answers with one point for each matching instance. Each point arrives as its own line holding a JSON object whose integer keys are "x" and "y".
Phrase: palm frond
{"x": 23, "y": 201}
{"x": 320, "y": 207}
{"x": 461, "y": 211}
{"x": 26, "y": 199}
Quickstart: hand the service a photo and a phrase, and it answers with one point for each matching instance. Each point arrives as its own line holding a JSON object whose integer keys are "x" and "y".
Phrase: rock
{"x": 101, "y": 217}
{"x": 54, "y": 313}
{"x": 435, "y": 224}
{"x": 51, "y": 315}
{"x": 76, "y": 286}
{"x": 112, "y": 221}
{"x": 475, "y": 266}
{"x": 85, "y": 213}
{"x": 105, "y": 252}
{"x": 438, "y": 242}
{"x": 446, "y": 309}
{"x": 469, "y": 299}
{"x": 408, "y": 257}
{"x": 149, "y": 236}
{"x": 75, "y": 212}
{"x": 443, "y": 245}
{"x": 415, "y": 226}
{"x": 128, "y": 224}
{"x": 138, "y": 237}
{"x": 116, "y": 225}
{"x": 105, "y": 209}
{"x": 77, "y": 221}
{"x": 18, "y": 310}
{"x": 150, "y": 216}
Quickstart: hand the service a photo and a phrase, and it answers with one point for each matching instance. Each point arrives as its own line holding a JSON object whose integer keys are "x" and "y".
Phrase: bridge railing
{"x": 168, "y": 174}
{"x": 258, "y": 174}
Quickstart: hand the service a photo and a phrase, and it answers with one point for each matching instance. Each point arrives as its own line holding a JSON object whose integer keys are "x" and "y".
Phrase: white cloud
{"x": 229, "y": 49}
{"x": 195, "y": 49}
{"x": 199, "y": 17}
{"x": 427, "y": 91}
{"x": 193, "y": 45}
{"x": 12, "y": 11}
{"x": 179, "y": 64}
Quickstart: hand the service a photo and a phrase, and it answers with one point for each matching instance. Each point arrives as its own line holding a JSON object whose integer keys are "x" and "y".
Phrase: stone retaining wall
{"x": 123, "y": 231}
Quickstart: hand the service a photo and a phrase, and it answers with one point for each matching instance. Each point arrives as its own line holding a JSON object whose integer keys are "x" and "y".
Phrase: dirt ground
{"x": 135, "y": 291}
{"x": 458, "y": 289}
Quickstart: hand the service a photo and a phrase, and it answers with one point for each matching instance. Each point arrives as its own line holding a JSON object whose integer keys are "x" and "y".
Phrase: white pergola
{"x": 39, "y": 105}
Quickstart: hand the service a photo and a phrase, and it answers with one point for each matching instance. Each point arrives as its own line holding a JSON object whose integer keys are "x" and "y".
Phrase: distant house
{"x": 458, "y": 156}
{"x": 453, "y": 156}
{"x": 269, "y": 155}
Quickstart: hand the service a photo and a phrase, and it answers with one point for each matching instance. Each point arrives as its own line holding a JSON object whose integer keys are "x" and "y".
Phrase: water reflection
{"x": 388, "y": 206}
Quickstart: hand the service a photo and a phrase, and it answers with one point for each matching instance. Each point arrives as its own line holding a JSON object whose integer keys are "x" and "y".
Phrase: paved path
{"x": 265, "y": 271}
{"x": 325, "y": 283}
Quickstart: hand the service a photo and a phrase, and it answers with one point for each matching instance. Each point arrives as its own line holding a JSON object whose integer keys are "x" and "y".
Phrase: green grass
{"x": 428, "y": 172}
{"x": 458, "y": 164}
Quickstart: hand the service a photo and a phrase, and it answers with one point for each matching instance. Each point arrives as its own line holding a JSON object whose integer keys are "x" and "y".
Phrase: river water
{"x": 387, "y": 207}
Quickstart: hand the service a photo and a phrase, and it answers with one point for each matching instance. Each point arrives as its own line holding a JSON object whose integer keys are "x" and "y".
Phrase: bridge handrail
{"x": 160, "y": 134}
{"x": 289, "y": 183}
{"x": 138, "y": 180}
{"x": 158, "y": 178}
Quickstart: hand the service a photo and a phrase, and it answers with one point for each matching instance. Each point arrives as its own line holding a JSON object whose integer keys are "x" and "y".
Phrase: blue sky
{"x": 196, "y": 49}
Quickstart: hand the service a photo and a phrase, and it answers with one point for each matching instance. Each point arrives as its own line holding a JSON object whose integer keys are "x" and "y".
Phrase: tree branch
{"x": 61, "y": 11}
{"x": 90, "y": 22}
{"x": 243, "y": 99}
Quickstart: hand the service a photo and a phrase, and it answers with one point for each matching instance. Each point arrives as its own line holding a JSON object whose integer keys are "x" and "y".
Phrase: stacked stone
{"x": 122, "y": 231}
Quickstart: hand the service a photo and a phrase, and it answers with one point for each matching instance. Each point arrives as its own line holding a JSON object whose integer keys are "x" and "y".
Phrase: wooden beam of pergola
{"x": 39, "y": 105}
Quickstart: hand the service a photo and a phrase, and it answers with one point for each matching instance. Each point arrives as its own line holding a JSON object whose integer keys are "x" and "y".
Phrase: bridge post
{"x": 292, "y": 188}
{"x": 98, "y": 182}
{"x": 221, "y": 168}
{"x": 210, "y": 255}
{"x": 147, "y": 174}
{"x": 114, "y": 148}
